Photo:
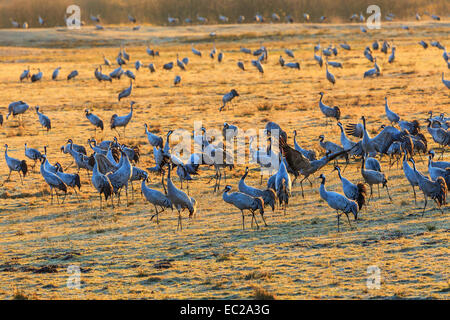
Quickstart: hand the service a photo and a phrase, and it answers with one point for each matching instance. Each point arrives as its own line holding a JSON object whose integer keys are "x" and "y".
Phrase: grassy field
{"x": 300, "y": 255}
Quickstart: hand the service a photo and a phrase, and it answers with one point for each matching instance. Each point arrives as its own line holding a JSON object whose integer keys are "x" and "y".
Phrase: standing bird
{"x": 269, "y": 196}
{"x": 330, "y": 76}
{"x": 180, "y": 200}
{"x": 243, "y": 202}
{"x": 240, "y": 64}
{"x": 126, "y": 93}
{"x": 392, "y": 116}
{"x": 157, "y": 198}
{"x": 43, "y": 119}
{"x": 374, "y": 177}
{"x": 257, "y": 64}
{"x": 37, "y": 76}
{"x": 436, "y": 190}
{"x": 70, "y": 179}
{"x": 17, "y": 108}
{"x": 283, "y": 185}
{"x": 195, "y": 51}
{"x": 410, "y": 175}
{"x": 72, "y": 75}
{"x": 101, "y": 183}
{"x": 177, "y": 80}
{"x": 228, "y": 97}
{"x": 338, "y": 202}
{"x": 120, "y": 178}
{"x": 356, "y": 192}
{"x": 15, "y": 165}
{"x": 309, "y": 154}
{"x": 25, "y": 74}
{"x": 55, "y": 73}
{"x": 329, "y": 112}
{"x": 32, "y": 154}
{"x": 439, "y": 135}
{"x": 95, "y": 120}
{"x": 53, "y": 181}
{"x": 122, "y": 121}
{"x": 153, "y": 139}
{"x": 392, "y": 56}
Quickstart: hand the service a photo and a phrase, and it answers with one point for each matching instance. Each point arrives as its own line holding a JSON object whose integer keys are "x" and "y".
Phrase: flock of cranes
{"x": 112, "y": 166}
{"x": 257, "y": 18}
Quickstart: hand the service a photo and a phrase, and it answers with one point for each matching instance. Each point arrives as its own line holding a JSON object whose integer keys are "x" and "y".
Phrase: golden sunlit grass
{"x": 122, "y": 254}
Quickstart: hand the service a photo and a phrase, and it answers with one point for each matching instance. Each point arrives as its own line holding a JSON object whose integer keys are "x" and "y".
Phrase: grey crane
{"x": 37, "y": 76}
{"x": 392, "y": 56}
{"x": 72, "y": 75}
{"x": 289, "y": 52}
{"x": 243, "y": 202}
{"x": 220, "y": 56}
{"x": 440, "y": 136}
{"x": 95, "y": 148}
{"x": 151, "y": 67}
{"x": 292, "y": 65}
{"x": 268, "y": 195}
{"x": 122, "y": 121}
{"x": 392, "y": 116}
{"x": 47, "y": 165}
{"x": 81, "y": 160}
{"x": 180, "y": 200}
{"x": 25, "y": 74}
{"x": 15, "y": 165}
{"x": 126, "y": 92}
{"x": 136, "y": 175}
{"x": 130, "y": 74}
{"x": 283, "y": 185}
{"x": 319, "y": 59}
{"x": 223, "y": 18}
{"x": 228, "y": 97}
{"x": 423, "y": 44}
{"x": 368, "y": 54}
{"x": 116, "y": 73}
{"x": 445, "y": 82}
{"x": 372, "y": 164}
{"x": 345, "y": 46}
{"x": 153, "y": 139}
{"x": 53, "y": 181}
{"x": 439, "y": 164}
{"x": 131, "y": 18}
{"x": 309, "y": 154}
{"x": 410, "y": 175}
{"x": 70, "y": 179}
{"x": 436, "y": 172}
{"x": 101, "y": 76}
{"x": 120, "y": 178}
{"x": 348, "y": 144}
{"x": 328, "y": 112}
{"x": 102, "y": 183}
{"x": 32, "y": 154}
{"x": 43, "y": 119}
{"x": 245, "y": 50}
{"x": 177, "y": 80}
{"x": 106, "y": 61}
{"x": 338, "y": 202}
{"x": 195, "y": 51}
{"x": 93, "y": 119}
{"x": 373, "y": 177}
{"x": 137, "y": 65}
{"x": 55, "y": 73}
{"x": 229, "y": 131}
{"x": 257, "y": 64}
{"x": 17, "y": 108}
{"x": 413, "y": 127}
{"x": 330, "y": 76}
{"x": 281, "y": 61}
{"x": 436, "y": 190}
{"x": 385, "y": 47}
{"x": 379, "y": 143}
{"x": 180, "y": 64}
{"x": 168, "y": 66}
{"x": 356, "y": 192}
{"x": 157, "y": 198}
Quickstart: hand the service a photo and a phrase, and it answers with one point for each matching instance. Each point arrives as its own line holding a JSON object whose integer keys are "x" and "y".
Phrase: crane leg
{"x": 348, "y": 219}
{"x": 243, "y": 218}
{"x": 415, "y": 201}
{"x": 21, "y": 180}
{"x": 112, "y": 199}
{"x": 378, "y": 186}
{"x": 7, "y": 179}
{"x": 100, "y": 201}
{"x": 338, "y": 217}
{"x": 424, "y": 205}
{"x": 387, "y": 190}
{"x": 156, "y": 214}
{"x": 51, "y": 194}
{"x": 65, "y": 195}
{"x": 126, "y": 193}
